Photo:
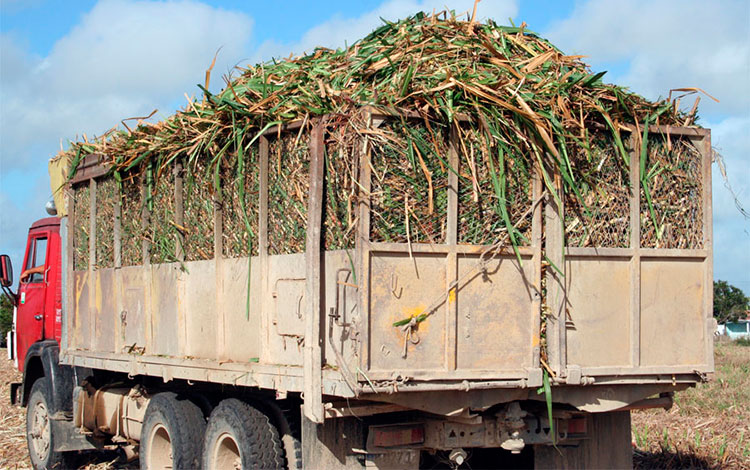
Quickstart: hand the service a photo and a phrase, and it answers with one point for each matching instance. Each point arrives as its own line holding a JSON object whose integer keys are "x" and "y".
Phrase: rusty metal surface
{"x": 491, "y": 306}
{"x": 289, "y": 296}
{"x": 402, "y": 286}
{"x": 287, "y": 274}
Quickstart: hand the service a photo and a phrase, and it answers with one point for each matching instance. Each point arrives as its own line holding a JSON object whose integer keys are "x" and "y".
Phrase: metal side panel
{"x": 341, "y": 322}
{"x": 201, "y": 313}
{"x": 271, "y": 377}
{"x": 80, "y": 337}
{"x": 65, "y": 283}
{"x": 402, "y": 286}
{"x": 481, "y": 330}
{"x": 494, "y": 307}
{"x": 132, "y": 316}
{"x": 241, "y": 313}
{"x": 634, "y": 313}
{"x": 286, "y": 307}
{"x": 599, "y": 311}
{"x": 103, "y": 310}
{"x": 672, "y": 320}
{"x": 165, "y": 300}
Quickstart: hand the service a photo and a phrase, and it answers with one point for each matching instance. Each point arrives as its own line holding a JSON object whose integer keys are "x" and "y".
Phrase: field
{"x": 708, "y": 426}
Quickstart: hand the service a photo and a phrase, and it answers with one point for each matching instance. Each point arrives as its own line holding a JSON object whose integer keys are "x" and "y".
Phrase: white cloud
{"x": 339, "y": 31}
{"x": 684, "y": 43}
{"x": 669, "y": 43}
{"x": 16, "y": 217}
{"x": 123, "y": 59}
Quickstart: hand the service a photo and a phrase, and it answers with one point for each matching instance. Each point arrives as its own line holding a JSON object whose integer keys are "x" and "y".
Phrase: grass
{"x": 708, "y": 426}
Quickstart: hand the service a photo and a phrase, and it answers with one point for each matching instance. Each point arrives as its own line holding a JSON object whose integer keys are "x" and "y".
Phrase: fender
{"x": 61, "y": 377}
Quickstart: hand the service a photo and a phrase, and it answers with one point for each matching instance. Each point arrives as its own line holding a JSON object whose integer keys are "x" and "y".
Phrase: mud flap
{"x": 68, "y": 437}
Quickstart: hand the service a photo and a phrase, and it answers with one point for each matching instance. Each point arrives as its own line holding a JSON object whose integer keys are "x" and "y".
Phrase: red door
{"x": 32, "y": 292}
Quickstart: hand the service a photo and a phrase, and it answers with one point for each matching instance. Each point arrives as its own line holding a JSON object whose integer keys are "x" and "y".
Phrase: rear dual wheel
{"x": 172, "y": 433}
{"x": 239, "y": 436}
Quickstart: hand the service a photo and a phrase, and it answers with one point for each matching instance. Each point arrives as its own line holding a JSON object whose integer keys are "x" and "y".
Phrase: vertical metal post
{"x": 117, "y": 231}
{"x": 536, "y": 246}
{"x": 708, "y": 239}
{"x": 145, "y": 223}
{"x": 265, "y": 311}
{"x": 117, "y": 301}
{"x": 92, "y": 224}
{"x": 218, "y": 268}
{"x": 94, "y": 319}
{"x": 179, "y": 212}
{"x": 69, "y": 312}
{"x": 179, "y": 220}
{"x": 555, "y": 246}
{"x": 635, "y": 245}
{"x": 451, "y": 271}
{"x": 148, "y": 326}
{"x": 363, "y": 245}
{"x": 313, "y": 255}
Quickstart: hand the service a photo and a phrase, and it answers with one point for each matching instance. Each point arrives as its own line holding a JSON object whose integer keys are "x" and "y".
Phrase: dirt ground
{"x": 13, "y": 453}
{"x": 12, "y": 438}
{"x": 708, "y": 426}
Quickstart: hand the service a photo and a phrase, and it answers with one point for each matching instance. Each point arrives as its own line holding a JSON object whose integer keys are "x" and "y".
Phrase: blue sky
{"x": 74, "y": 67}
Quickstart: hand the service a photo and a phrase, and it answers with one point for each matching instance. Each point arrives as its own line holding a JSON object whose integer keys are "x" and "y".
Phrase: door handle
{"x": 37, "y": 317}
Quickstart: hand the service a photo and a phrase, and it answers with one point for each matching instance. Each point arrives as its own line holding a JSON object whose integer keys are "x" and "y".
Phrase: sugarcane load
{"x": 446, "y": 236}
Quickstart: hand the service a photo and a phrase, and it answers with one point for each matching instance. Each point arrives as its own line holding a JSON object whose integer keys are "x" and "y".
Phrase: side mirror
{"x": 6, "y": 271}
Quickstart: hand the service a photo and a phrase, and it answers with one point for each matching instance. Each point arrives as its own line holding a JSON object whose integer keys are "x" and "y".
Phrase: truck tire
{"x": 39, "y": 435}
{"x": 292, "y": 452}
{"x": 240, "y": 436}
{"x": 172, "y": 433}
{"x": 287, "y": 423}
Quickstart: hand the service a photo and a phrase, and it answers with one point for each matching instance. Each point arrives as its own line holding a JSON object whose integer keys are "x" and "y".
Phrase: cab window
{"x": 36, "y": 261}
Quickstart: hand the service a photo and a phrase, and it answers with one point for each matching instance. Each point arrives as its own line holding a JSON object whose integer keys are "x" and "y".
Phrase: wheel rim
{"x": 40, "y": 431}
{"x": 226, "y": 453}
{"x": 159, "y": 455}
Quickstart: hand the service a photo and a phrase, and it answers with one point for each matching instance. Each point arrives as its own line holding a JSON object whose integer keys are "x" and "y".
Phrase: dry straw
{"x": 528, "y": 108}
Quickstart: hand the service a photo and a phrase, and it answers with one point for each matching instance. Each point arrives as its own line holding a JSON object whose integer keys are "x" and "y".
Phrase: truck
{"x": 260, "y": 341}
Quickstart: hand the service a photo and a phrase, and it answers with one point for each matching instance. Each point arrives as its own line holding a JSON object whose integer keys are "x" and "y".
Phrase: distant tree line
{"x": 730, "y": 303}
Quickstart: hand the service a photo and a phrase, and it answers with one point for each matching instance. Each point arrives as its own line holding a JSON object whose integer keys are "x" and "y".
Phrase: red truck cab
{"x": 47, "y": 386}
{"x": 39, "y": 297}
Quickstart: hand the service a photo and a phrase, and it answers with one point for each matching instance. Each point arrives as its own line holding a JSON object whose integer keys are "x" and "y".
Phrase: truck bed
{"x": 609, "y": 325}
